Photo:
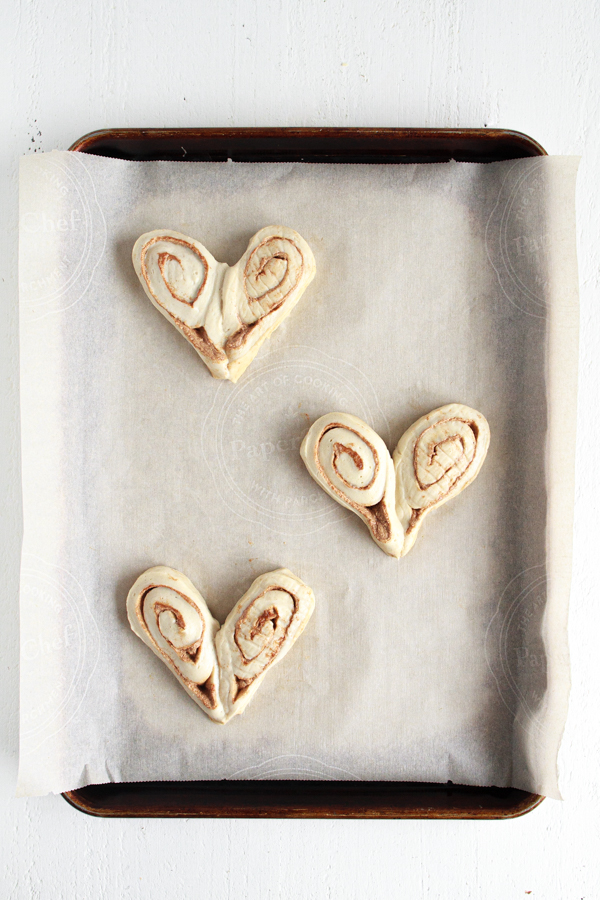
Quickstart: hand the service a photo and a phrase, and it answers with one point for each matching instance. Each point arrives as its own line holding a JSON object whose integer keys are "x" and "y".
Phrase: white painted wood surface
{"x": 70, "y": 68}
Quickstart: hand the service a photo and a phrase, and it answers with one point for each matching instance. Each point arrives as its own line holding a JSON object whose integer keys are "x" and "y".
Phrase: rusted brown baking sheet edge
{"x": 312, "y": 799}
{"x": 301, "y": 799}
{"x": 356, "y": 145}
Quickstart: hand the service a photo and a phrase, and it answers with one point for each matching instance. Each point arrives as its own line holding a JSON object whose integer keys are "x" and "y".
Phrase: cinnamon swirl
{"x": 351, "y": 462}
{"x": 225, "y": 312}
{"x": 258, "y": 632}
{"x": 220, "y": 668}
{"x": 434, "y": 461}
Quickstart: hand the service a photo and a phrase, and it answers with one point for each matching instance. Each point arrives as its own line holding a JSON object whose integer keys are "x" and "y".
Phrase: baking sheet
{"x": 434, "y": 283}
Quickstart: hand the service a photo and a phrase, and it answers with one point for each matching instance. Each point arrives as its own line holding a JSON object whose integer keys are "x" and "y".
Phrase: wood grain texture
{"x": 69, "y": 69}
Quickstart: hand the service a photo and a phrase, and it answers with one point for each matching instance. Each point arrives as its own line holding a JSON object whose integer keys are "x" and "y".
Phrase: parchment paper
{"x": 435, "y": 283}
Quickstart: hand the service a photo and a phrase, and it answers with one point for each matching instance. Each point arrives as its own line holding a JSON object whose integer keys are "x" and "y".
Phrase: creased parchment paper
{"x": 435, "y": 283}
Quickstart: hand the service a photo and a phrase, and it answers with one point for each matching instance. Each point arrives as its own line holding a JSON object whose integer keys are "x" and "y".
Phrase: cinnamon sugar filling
{"x": 271, "y": 647}
{"x": 207, "y": 692}
{"x": 417, "y": 514}
{"x": 377, "y": 516}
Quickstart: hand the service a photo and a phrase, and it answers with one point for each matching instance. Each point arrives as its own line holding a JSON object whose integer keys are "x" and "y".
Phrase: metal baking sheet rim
{"x": 362, "y": 800}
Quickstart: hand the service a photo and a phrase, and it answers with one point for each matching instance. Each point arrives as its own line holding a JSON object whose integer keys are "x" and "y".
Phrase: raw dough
{"x": 225, "y": 312}
{"x": 220, "y": 668}
{"x": 434, "y": 461}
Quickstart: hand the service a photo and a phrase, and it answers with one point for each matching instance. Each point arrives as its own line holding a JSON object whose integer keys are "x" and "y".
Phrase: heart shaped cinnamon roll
{"x": 221, "y": 668}
{"x": 437, "y": 458}
{"x": 225, "y": 312}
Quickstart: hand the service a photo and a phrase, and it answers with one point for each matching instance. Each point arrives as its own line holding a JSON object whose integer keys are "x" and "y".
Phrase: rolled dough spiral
{"x": 225, "y": 312}
{"x": 351, "y": 462}
{"x": 434, "y": 461}
{"x": 220, "y": 668}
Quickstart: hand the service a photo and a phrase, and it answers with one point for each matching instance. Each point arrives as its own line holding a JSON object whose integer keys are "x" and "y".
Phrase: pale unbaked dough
{"x": 220, "y": 668}
{"x": 225, "y": 312}
{"x": 434, "y": 461}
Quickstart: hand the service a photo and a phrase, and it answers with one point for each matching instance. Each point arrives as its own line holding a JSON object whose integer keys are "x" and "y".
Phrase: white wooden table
{"x": 70, "y": 68}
